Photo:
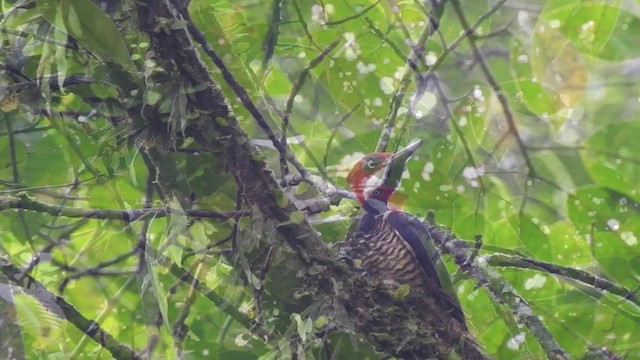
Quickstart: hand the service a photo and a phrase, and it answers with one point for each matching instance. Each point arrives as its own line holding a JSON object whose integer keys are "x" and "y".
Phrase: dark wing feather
{"x": 419, "y": 238}
{"x": 367, "y": 223}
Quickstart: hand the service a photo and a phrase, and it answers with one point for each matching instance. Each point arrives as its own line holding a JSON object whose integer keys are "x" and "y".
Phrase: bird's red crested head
{"x": 364, "y": 169}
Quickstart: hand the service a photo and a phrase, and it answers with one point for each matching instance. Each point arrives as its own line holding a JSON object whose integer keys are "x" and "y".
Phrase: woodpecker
{"x": 397, "y": 247}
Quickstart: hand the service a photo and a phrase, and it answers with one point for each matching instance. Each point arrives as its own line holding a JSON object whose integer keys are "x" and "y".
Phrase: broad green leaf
{"x": 621, "y": 44}
{"x": 14, "y": 18}
{"x": 587, "y": 25}
{"x": 49, "y": 153}
{"x": 533, "y": 235}
{"x": 610, "y": 158}
{"x": 90, "y": 26}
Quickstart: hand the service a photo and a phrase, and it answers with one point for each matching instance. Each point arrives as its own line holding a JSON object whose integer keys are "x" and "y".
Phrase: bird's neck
{"x": 364, "y": 186}
{"x": 375, "y": 206}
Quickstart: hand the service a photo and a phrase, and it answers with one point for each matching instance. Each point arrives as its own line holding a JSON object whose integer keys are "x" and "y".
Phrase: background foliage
{"x": 528, "y": 112}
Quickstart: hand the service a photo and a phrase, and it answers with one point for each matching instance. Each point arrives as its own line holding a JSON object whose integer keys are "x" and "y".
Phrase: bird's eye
{"x": 370, "y": 164}
{"x": 376, "y": 192}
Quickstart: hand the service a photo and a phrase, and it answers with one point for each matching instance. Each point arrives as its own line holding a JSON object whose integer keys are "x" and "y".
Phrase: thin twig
{"x": 354, "y": 16}
{"x": 271, "y": 37}
{"x": 16, "y": 178}
{"x": 399, "y": 95}
{"x": 335, "y": 130}
{"x": 467, "y": 32}
{"x": 296, "y": 6}
{"x": 23, "y": 201}
{"x": 497, "y": 89}
{"x": 18, "y": 188}
{"x": 456, "y": 127}
{"x": 28, "y": 129}
{"x": 180, "y": 330}
{"x": 52, "y": 81}
{"x": 390, "y": 43}
{"x": 292, "y": 95}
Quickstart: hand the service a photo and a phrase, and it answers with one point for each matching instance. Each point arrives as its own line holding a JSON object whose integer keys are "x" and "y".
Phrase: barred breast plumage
{"x": 394, "y": 246}
{"x": 388, "y": 256}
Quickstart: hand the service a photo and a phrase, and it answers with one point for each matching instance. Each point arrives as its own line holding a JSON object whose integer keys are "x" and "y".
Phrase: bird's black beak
{"x": 404, "y": 154}
{"x": 396, "y": 164}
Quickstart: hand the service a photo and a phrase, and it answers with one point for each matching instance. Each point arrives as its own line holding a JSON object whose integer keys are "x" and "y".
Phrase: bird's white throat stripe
{"x": 370, "y": 184}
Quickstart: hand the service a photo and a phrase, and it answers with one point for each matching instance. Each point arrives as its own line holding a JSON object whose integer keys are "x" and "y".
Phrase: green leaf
{"x": 316, "y": 269}
{"x": 533, "y": 235}
{"x": 152, "y": 97}
{"x": 281, "y": 199}
{"x": 296, "y": 217}
{"x": 47, "y": 153}
{"x": 619, "y": 170}
{"x": 587, "y": 25}
{"x": 242, "y": 339}
{"x": 90, "y": 26}
{"x": 303, "y": 326}
{"x": 402, "y": 292}
{"x": 621, "y": 44}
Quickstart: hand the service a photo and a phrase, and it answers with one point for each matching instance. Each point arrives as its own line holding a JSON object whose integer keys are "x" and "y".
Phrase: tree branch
{"x": 497, "y": 89}
{"x": 499, "y": 288}
{"x": 566, "y": 272}
{"x": 23, "y": 201}
{"x": 297, "y": 86}
{"x": 409, "y": 70}
{"x": 48, "y": 299}
{"x": 198, "y": 36}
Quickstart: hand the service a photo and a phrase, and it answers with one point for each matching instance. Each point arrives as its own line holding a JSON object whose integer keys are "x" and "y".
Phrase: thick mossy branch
{"x": 582, "y": 276}
{"x": 218, "y": 125}
{"x": 497, "y": 286}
